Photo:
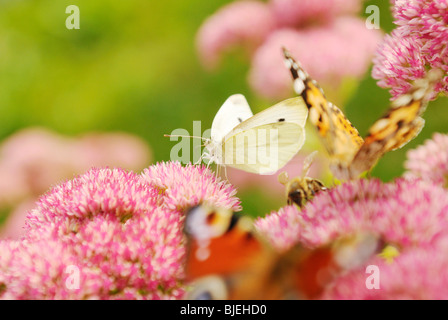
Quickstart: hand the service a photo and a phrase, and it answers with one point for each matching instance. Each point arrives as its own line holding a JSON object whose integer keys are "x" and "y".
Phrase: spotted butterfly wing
{"x": 350, "y": 155}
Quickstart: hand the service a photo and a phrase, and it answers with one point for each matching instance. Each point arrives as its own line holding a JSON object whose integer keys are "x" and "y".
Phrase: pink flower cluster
{"x": 419, "y": 274}
{"x": 116, "y": 234}
{"x": 405, "y": 212}
{"x": 429, "y": 161}
{"x": 409, "y": 214}
{"x": 418, "y": 44}
{"x": 120, "y": 231}
{"x": 33, "y": 159}
{"x": 329, "y": 40}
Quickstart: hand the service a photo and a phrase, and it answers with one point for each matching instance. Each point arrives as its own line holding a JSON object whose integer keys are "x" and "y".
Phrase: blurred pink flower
{"x": 417, "y": 45}
{"x": 419, "y": 274}
{"x": 328, "y": 53}
{"x": 42, "y": 270}
{"x": 113, "y": 149}
{"x": 14, "y": 226}
{"x": 323, "y": 34}
{"x": 34, "y": 159}
{"x": 191, "y": 185}
{"x": 302, "y": 13}
{"x": 429, "y": 161}
{"x": 282, "y": 229}
{"x": 123, "y": 231}
{"x": 39, "y": 157}
{"x": 241, "y": 23}
{"x": 406, "y": 213}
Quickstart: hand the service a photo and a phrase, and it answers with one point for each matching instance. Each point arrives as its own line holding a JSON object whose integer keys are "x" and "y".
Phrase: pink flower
{"x": 300, "y": 13}
{"x": 399, "y": 62}
{"x": 429, "y": 18}
{"x": 123, "y": 231}
{"x": 47, "y": 270}
{"x": 405, "y": 213}
{"x": 109, "y": 220}
{"x": 39, "y": 158}
{"x": 329, "y": 54}
{"x": 417, "y": 45}
{"x": 282, "y": 228}
{"x": 183, "y": 187}
{"x": 13, "y": 227}
{"x": 417, "y": 274}
{"x": 34, "y": 159}
{"x": 330, "y": 44}
{"x": 429, "y": 161}
{"x": 108, "y": 192}
{"x": 242, "y": 23}
{"x": 113, "y": 149}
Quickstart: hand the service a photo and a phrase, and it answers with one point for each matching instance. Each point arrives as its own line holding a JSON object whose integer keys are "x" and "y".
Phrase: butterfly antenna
{"x": 182, "y": 136}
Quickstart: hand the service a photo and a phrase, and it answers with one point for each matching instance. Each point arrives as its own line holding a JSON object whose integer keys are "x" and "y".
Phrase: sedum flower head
{"x": 42, "y": 270}
{"x": 116, "y": 193}
{"x": 184, "y": 187}
{"x": 281, "y": 228}
{"x": 398, "y": 62}
{"x": 123, "y": 231}
{"x": 419, "y": 274}
{"x": 407, "y": 213}
{"x": 418, "y": 44}
{"x": 429, "y": 161}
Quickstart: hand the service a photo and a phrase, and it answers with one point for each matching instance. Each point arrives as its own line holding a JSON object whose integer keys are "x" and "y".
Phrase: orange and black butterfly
{"x": 350, "y": 154}
{"x": 228, "y": 259}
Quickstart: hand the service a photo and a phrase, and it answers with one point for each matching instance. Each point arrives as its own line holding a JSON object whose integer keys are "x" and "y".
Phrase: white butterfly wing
{"x": 292, "y": 110}
{"x": 263, "y": 149}
{"x": 267, "y": 141}
{"x": 234, "y": 111}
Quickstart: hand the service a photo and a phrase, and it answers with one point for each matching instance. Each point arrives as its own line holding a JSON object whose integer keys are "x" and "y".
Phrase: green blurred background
{"x": 132, "y": 66}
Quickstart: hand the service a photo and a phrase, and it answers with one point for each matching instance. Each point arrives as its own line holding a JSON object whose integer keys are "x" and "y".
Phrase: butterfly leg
{"x": 225, "y": 171}
{"x": 199, "y": 161}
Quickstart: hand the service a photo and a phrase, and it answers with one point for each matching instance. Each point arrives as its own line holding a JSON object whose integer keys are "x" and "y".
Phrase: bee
{"x": 300, "y": 190}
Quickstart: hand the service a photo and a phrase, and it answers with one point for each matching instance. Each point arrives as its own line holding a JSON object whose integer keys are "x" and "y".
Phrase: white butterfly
{"x": 261, "y": 143}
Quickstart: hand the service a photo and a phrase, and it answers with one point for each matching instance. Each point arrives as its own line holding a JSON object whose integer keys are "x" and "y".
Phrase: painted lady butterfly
{"x": 350, "y": 154}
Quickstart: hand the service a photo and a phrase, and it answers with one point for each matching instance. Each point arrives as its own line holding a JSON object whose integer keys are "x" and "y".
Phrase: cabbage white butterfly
{"x": 261, "y": 143}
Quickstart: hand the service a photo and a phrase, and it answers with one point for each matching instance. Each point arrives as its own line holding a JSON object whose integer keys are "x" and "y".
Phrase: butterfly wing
{"x": 222, "y": 248}
{"x": 400, "y": 124}
{"x": 290, "y": 110}
{"x": 351, "y": 155}
{"x": 389, "y": 133}
{"x": 211, "y": 232}
{"x": 339, "y": 137}
{"x": 267, "y": 141}
{"x": 234, "y": 111}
